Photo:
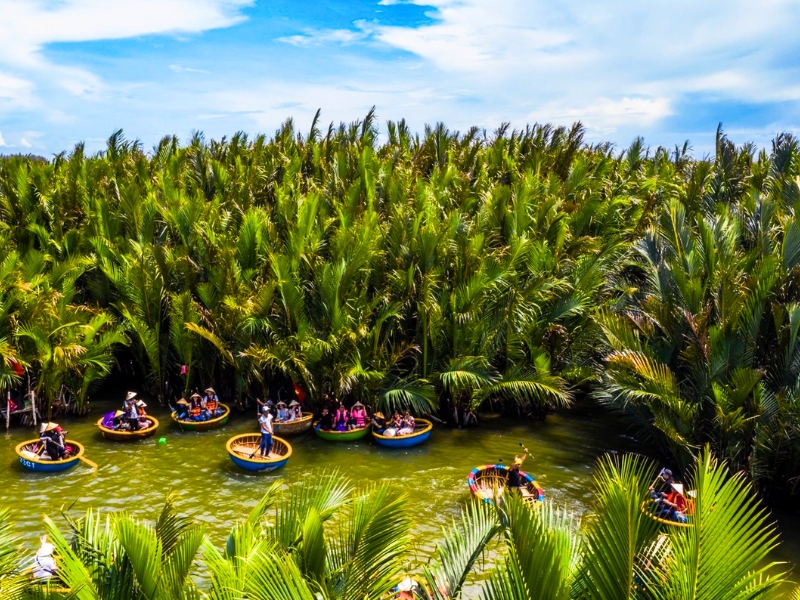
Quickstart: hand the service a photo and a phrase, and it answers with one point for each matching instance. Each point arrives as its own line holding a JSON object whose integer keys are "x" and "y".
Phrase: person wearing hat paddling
{"x": 378, "y": 423}
{"x": 514, "y": 481}
{"x": 44, "y": 565}
{"x": 662, "y": 484}
{"x": 52, "y": 437}
{"x": 265, "y": 424}
{"x": 131, "y": 411}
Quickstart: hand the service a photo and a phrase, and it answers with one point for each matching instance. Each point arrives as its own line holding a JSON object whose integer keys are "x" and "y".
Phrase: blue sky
{"x": 76, "y": 70}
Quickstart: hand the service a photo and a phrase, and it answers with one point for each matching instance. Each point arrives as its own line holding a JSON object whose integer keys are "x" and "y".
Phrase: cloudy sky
{"x": 73, "y": 70}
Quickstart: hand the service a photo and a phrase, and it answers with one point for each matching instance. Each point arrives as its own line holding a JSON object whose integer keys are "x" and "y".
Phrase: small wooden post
{"x": 33, "y": 407}
{"x": 8, "y": 410}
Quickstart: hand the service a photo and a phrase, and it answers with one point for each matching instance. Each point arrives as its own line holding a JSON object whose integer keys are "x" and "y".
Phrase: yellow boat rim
{"x": 236, "y": 438}
{"x": 428, "y": 426}
{"x": 38, "y": 461}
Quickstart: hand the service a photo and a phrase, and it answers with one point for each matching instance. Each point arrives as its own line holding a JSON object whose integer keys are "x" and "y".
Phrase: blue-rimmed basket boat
{"x": 648, "y": 509}
{"x": 34, "y": 459}
{"x": 422, "y": 432}
{"x": 120, "y": 435}
{"x": 343, "y": 436}
{"x": 204, "y": 425}
{"x": 489, "y": 482}
{"x": 241, "y": 447}
{"x": 295, "y": 427}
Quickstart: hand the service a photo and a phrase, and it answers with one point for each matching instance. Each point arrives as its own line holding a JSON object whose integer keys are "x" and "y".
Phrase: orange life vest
{"x": 211, "y": 405}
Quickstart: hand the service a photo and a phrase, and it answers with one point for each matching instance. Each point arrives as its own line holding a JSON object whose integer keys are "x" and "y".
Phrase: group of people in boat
{"x": 132, "y": 417}
{"x": 342, "y": 419}
{"x": 281, "y": 412}
{"x": 669, "y": 501}
{"x": 398, "y": 425}
{"x": 53, "y": 442}
{"x": 199, "y": 408}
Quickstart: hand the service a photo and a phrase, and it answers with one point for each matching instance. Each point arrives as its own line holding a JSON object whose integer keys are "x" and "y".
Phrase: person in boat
{"x": 325, "y": 420}
{"x": 358, "y": 416}
{"x": 282, "y": 412}
{"x": 295, "y": 411}
{"x": 672, "y": 505}
{"x": 117, "y": 422}
{"x": 44, "y": 565}
{"x": 378, "y": 423}
{"x": 51, "y": 435}
{"x": 265, "y": 425}
{"x": 662, "y": 484}
{"x": 341, "y": 418}
{"x": 144, "y": 422}
{"x": 195, "y": 412}
{"x": 395, "y": 425}
{"x": 514, "y": 480}
{"x": 211, "y": 403}
{"x": 182, "y": 409}
{"x": 408, "y": 424}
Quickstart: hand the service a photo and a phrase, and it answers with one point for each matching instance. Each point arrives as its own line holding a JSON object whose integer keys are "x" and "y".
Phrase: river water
{"x": 135, "y": 477}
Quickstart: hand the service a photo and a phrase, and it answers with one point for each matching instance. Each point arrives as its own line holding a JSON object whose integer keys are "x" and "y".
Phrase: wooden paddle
{"x": 89, "y": 462}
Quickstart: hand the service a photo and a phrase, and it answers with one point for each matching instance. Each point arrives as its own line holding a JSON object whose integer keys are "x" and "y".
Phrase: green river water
{"x": 135, "y": 477}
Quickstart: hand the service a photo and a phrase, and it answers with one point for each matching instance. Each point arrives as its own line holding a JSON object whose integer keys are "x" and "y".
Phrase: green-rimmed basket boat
{"x": 205, "y": 425}
{"x": 344, "y": 436}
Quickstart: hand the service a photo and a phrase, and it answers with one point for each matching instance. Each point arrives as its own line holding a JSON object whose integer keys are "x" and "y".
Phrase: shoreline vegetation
{"x": 329, "y": 539}
{"x": 518, "y": 270}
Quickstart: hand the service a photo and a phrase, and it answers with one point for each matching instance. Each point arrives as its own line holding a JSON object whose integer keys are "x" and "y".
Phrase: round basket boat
{"x": 489, "y": 482}
{"x": 422, "y": 432}
{"x": 204, "y": 425}
{"x": 669, "y": 523}
{"x": 128, "y": 436}
{"x": 34, "y": 460}
{"x": 241, "y": 447}
{"x": 295, "y": 427}
{"x": 343, "y": 436}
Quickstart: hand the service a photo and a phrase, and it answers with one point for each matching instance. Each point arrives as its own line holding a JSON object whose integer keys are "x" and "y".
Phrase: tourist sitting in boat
{"x": 211, "y": 404}
{"x": 341, "y": 419}
{"x": 672, "y": 505}
{"x": 52, "y": 437}
{"x": 265, "y": 425}
{"x": 295, "y": 411}
{"x": 395, "y": 425}
{"x": 358, "y": 416}
{"x": 325, "y": 420}
{"x": 195, "y": 412}
{"x": 44, "y": 565}
{"x": 514, "y": 480}
{"x": 407, "y": 424}
{"x": 131, "y": 411}
{"x": 282, "y": 412}
{"x": 378, "y": 423}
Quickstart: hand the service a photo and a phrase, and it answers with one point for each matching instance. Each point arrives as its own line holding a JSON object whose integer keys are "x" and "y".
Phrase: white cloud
{"x": 25, "y": 143}
{"x": 2, "y": 141}
{"x": 180, "y": 69}
{"x": 318, "y": 37}
{"x": 27, "y": 26}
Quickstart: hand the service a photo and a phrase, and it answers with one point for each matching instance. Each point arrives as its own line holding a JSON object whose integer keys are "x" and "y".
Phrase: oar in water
{"x": 89, "y": 462}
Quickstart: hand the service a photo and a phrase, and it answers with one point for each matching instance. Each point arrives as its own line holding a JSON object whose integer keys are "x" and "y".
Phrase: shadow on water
{"x": 136, "y": 476}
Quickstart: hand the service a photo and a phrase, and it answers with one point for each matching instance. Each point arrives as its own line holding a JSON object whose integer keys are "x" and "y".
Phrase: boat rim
{"x": 77, "y": 456}
{"x": 306, "y": 416}
{"x": 422, "y": 431}
{"x": 283, "y": 457}
{"x": 214, "y": 420}
{"x": 663, "y": 521}
{"x": 153, "y": 427}
{"x": 333, "y": 431}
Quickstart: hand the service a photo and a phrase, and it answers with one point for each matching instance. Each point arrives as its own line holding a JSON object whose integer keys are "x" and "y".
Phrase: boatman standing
{"x": 265, "y": 423}
{"x": 514, "y": 479}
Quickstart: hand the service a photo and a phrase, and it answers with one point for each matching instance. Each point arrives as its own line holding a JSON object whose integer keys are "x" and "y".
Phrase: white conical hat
{"x": 678, "y": 487}
{"x": 131, "y": 396}
{"x": 47, "y": 427}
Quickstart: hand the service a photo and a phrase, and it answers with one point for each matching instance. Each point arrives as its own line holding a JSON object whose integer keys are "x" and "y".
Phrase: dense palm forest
{"x": 329, "y": 540}
{"x": 513, "y": 269}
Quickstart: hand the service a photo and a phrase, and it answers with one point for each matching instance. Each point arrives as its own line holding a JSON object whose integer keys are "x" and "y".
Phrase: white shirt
{"x": 265, "y": 420}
